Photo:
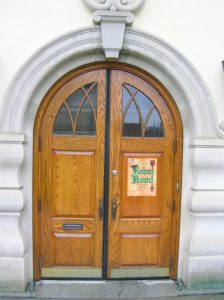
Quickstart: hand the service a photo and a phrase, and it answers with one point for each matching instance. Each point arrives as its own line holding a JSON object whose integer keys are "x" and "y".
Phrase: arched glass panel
{"x": 144, "y": 103}
{"x": 132, "y": 123}
{"x": 92, "y": 93}
{"x": 154, "y": 126}
{"x": 132, "y": 90}
{"x": 126, "y": 98}
{"x": 140, "y": 117}
{"x": 74, "y": 101}
{"x": 63, "y": 123}
{"x": 77, "y": 115}
{"x": 86, "y": 124}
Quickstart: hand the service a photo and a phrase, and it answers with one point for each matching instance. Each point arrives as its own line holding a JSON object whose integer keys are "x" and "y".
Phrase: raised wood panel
{"x": 74, "y": 143}
{"x": 74, "y": 249}
{"x": 142, "y": 144}
{"x": 74, "y": 184}
{"x": 153, "y": 225}
{"x": 139, "y": 249}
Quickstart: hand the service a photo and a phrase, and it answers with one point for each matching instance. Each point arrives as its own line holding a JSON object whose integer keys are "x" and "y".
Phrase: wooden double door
{"x": 105, "y": 176}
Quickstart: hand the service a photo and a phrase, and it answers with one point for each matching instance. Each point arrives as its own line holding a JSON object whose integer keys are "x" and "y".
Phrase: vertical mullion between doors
{"x": 106, "y": 175}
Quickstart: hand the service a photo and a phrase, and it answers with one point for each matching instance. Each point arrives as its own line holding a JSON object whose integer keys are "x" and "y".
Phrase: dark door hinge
{"x": 101, "y": 209}
{"x": 39, "y": 205}
{"x": 40, "y": 143}
{"x": 171, "y": 263}
{"x": 40, "y": 262}
{"x": 174, "y": 145}
{"x": 173, "y": 205}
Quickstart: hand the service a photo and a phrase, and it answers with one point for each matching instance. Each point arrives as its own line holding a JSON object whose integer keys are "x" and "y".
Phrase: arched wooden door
{"x": 107, "y": 170}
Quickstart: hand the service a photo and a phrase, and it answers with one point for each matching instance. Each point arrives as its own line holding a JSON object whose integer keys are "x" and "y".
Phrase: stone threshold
{"x": 113, "y": 289}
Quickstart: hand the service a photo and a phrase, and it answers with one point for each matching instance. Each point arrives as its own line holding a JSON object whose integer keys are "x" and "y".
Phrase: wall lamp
{"x": 223, "y": 64}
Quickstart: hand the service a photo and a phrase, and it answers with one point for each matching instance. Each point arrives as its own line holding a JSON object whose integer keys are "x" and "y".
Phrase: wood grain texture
{"x": 146, "y": 248}
{"x": 49, "y": 236}
{"x": 71, "y": 184}
{"x": 73, "y": 250}
{"x": 70, "y": 143}
{"x": 140, "y": 225}
{"x": 71, "y": 172}
{"x": 128, "y": 247}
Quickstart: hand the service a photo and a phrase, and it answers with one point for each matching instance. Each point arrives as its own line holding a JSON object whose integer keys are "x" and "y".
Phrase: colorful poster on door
{"x": 142, "y": 176}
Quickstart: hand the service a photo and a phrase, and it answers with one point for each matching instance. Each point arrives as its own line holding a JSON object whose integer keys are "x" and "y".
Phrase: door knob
{"x": 114, "y": 209}
{"x": 114, "y": 172}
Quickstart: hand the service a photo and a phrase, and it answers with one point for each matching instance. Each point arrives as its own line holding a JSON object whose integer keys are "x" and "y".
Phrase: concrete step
{"x": 125, "y": 289}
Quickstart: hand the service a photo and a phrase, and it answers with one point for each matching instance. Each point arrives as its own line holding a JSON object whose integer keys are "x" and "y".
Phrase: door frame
{"x": 177, "y": 148}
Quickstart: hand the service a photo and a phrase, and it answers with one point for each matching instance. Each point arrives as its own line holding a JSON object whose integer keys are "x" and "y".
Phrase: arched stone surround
{"x": 201, "y": 251}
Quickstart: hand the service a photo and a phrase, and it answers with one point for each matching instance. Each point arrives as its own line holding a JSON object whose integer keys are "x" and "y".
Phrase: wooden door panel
{"x": 74, "y": 143}
{"x": 139, "y": 250}
{"x": 140, "y": 231}
{"x": 72, "y": 249}
{"x": 140, "y": 225}
{"x": 73, "y": 178}
{"x": 74, "y": 184}
{"x": 137, "y": 145}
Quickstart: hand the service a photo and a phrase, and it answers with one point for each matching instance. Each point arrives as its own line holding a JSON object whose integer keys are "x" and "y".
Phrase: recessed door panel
{"x": 146, "y": 249}
{"x": 74, "y": 184}
{"x": 74, "y": 249}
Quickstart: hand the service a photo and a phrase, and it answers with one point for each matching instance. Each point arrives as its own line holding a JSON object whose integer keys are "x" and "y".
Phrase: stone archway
{"x": 202, "y": 152}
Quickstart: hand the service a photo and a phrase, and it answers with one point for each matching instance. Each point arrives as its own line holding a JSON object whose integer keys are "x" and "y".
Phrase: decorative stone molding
{"x": 112, "y": 25}
{"x": 12, "y": 245}
{"x": 113, "y": 16}
{"x": 204, "y": 251}
{"x": 145, "y": 51}
{"x": 113, "y": 5}
{"x": 209, "y": 157}
{"x": 222, "y": 126}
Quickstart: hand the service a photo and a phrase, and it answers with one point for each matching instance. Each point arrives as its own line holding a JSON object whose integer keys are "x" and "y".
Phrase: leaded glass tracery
{"x": 77, "y": 115}
{"x": 140, "y": 116}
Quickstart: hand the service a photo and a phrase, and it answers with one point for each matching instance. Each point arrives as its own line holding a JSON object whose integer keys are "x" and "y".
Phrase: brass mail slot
{"x": 72, "y": 226}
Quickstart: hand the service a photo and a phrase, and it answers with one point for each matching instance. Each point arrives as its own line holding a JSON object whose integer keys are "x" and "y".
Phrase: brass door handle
{"x": 101, "y": 209}
{"x": 114, "y": 209}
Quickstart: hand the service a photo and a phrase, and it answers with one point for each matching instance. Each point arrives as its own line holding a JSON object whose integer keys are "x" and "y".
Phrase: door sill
{"x": 153, "y": 272}
{"x": 61, "y": 272}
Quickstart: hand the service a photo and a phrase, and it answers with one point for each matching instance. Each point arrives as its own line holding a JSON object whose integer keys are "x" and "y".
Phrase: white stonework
{"x": 114, "y": 5}
{"x": 111, "y": 28}
{"x": 204, "y": 254}
{"x": 201, "y": 251}
{"x": 13, "y": 262}
{"x": 113, "y": 16}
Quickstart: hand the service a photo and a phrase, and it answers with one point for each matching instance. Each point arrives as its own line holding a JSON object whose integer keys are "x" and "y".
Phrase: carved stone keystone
{"x": 113, "y": 16}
